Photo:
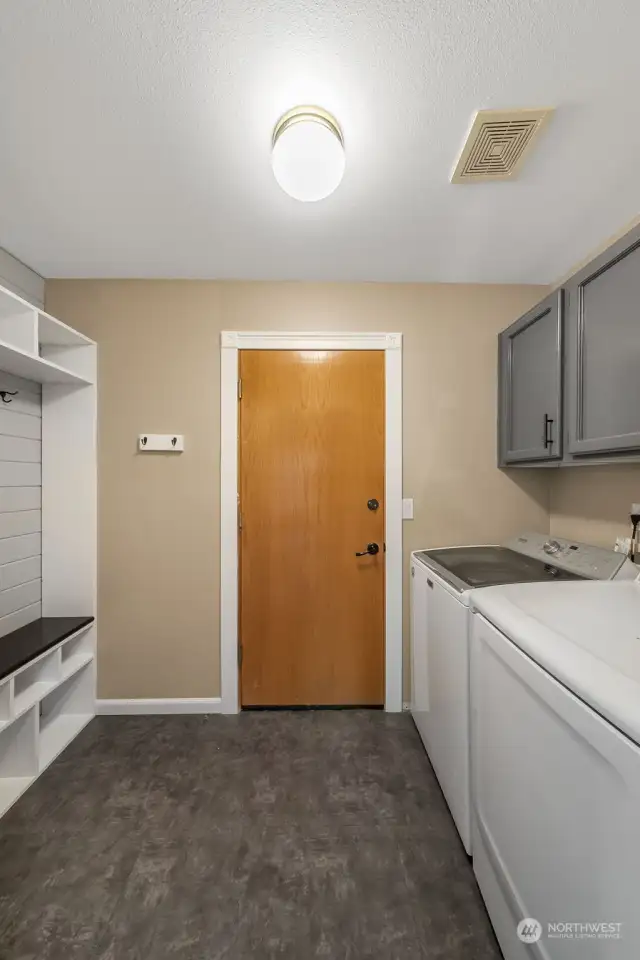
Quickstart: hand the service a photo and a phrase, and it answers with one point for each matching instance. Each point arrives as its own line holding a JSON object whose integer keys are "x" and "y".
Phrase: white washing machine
{"x": 441, "y": 584}
{"x": 555, "y": 695}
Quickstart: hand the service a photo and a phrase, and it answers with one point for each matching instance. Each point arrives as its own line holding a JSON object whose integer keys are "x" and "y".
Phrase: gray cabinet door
{"x": 530, "y": 385}
{"x": 603, "y": 352}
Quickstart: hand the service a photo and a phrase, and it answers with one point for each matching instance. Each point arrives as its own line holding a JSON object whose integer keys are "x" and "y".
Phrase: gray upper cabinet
{"x": 530, "y": 385}
{"x": 603, "y": 353}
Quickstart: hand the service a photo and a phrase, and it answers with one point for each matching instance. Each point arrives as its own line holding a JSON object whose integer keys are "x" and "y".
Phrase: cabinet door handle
{"x": 548, "y": 431}
{"x": 430, "y": 583}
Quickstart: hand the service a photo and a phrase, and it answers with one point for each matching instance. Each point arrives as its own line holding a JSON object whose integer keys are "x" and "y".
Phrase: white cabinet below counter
{"x": 440, "y": 687}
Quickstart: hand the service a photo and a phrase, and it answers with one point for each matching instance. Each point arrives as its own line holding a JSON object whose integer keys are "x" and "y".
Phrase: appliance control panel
{"x": 596, "y": 563}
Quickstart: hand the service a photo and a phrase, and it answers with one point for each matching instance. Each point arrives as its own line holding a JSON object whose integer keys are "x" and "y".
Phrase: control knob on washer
{"x": 552, "y": 547}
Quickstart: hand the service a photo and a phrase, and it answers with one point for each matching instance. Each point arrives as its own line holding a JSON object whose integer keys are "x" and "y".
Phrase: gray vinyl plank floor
{"x": 267, "y": 835}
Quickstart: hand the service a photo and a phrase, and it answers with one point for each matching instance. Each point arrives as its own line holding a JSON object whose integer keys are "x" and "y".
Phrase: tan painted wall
{"x": 592, "y": 503}
{"x": 159, "y": 372}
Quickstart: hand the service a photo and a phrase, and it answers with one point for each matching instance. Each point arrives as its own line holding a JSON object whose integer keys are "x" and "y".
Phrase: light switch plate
{"x": 166, "y": 442}
{"x": 407, "y": 509}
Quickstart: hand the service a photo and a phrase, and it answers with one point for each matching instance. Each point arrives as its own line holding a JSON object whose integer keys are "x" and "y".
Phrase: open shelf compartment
{"x": 65, "y": 348}
{"x": 77, "y": 651}
{"x": 5, "y": 703}
{"x": 18, "y": 757}
{"x": 18, "y": 322}
{"x": 34, "y": 681}
{"x": 64, "y": 712}
{"x": 30, "y": 366}
{"x": 38, "y": 347}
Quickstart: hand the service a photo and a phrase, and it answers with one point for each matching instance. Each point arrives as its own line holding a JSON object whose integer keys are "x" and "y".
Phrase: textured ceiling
{"x": 136, "y": 136}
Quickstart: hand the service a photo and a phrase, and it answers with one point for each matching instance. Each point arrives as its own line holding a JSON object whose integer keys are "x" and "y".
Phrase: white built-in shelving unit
{"x": 43, "y": 706}
{"x": 47, "y": 701}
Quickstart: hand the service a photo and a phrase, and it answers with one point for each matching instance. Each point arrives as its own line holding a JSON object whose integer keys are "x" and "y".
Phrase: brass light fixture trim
{"x": 306, "y": 114}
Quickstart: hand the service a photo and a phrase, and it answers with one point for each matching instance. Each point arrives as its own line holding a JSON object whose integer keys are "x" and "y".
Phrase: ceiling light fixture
{"x": 308, "y": 153}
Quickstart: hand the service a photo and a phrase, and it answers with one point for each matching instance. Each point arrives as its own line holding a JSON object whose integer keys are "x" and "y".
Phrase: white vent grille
{"x": 497, "y": 144}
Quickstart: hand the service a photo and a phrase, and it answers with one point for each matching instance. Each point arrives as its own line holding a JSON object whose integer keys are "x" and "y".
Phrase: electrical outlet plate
{"x": 164, "y": 442}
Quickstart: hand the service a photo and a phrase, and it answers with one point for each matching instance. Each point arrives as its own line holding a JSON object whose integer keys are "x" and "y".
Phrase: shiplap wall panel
{"x": 19, "y": 523}
{"x": 14, "y": 424}
{"x": 20, "y": 618}
{"x": 11, "y": 381}
{"x": 20, "y": 474}
{"x": 25, "y": 403}
{"x": 20, "y": 504}
{"x": 29, "y": 396}
{"x": 16, "y": 598}
{"x": 19, "y": 548}
{"x": 20, "y": 498}
{"x": 19, "y": 449}
{"x": 22, "y": 571}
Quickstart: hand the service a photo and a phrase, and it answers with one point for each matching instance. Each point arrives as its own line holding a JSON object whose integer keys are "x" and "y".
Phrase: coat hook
{"x": 8, "y": 393}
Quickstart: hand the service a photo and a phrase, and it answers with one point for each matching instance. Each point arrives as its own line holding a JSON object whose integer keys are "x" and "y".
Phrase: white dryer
{"x": 442, "y": 581}
{"x": 555, "y": 694}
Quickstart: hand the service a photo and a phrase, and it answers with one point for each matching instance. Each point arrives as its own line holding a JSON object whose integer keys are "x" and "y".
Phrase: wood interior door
{"x": 312, "y": 455}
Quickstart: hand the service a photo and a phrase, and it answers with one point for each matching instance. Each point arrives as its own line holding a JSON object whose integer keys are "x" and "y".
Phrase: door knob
{"x": 372, "y": 549}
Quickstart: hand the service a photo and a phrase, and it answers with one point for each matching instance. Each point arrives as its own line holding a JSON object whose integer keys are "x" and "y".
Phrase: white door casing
{"x": 233, "y": 341}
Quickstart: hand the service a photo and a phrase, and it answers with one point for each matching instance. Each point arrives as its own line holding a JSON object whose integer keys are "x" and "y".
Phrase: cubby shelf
{"x": 31, "y": 367}
{"x": 11, "y": 789}
{"x": 59, "y": 734}
{"x": 74, "y": 663}
{"x": 32, "y": 695}
{"x": 38, "y": 347}
{"x": 56, "y": 333}
{"x": 51, "y": 698}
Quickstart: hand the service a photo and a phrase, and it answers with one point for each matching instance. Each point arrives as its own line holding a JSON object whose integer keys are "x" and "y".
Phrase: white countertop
{"x": 586, "y": 634}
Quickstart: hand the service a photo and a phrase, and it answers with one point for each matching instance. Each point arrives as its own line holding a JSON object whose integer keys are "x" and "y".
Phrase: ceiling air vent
{"x": 497, "y": 144}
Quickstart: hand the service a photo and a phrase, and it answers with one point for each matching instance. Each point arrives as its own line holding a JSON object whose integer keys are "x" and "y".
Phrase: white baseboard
{"x": 136, "y": 707}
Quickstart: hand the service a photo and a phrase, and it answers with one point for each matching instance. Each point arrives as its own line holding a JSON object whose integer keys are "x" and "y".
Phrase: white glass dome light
{"x": 308, "y": 153}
